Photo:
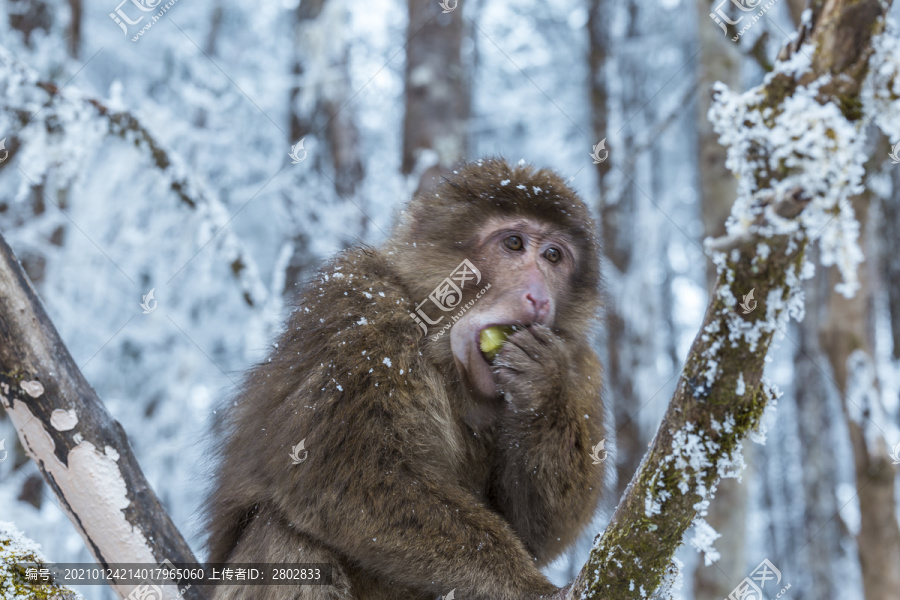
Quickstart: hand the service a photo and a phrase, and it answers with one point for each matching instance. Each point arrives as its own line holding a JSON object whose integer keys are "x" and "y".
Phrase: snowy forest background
{"x": 164, "y": 164}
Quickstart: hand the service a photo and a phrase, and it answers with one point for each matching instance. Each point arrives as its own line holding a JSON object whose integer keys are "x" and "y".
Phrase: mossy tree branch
{"x": 721, "y": 395}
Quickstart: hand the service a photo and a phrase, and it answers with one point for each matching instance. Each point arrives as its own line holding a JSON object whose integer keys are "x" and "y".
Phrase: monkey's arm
{"x": 546, "y": 484}
{"x": 367, "y": 492}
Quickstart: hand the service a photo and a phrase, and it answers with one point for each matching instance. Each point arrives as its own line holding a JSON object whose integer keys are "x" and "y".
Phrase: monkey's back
{"x": 348, "y": 379}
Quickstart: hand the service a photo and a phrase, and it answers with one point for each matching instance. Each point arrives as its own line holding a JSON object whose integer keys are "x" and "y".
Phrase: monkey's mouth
{"x": 492, "y": 338}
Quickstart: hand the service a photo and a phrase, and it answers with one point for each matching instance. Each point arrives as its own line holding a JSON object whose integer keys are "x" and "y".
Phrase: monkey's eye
{"x": 552, "y": 254}
{"x": 513, "y": 242}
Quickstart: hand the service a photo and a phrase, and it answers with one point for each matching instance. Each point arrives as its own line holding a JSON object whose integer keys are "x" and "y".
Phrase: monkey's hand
{"x": 531, "y": 368}
{"x": 545, "y": 482}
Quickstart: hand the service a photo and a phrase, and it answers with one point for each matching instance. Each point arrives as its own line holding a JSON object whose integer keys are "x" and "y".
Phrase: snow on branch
{"x": 795, "y": 143}
{"x": 80, "y": 450}
{"x": 83, "y": 122}
{"x": 17, "y": 550}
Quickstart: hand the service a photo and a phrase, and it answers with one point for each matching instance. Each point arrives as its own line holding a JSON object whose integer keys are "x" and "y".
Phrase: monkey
{"x": 427, "y": 467}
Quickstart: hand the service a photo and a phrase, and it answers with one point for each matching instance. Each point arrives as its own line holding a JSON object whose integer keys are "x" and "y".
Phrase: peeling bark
{"x": 80, "y": 450}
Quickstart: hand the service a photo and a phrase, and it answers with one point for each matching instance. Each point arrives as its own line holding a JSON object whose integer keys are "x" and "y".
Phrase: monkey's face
{"x": 529, "y": 265}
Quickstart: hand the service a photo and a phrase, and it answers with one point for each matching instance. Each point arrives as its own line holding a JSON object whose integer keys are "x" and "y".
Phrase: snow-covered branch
{"x": 81, "y": 451}
{"x": 16, "y": 550}
{"x": 795, "y": 142}
{"x": 23, "y": 91}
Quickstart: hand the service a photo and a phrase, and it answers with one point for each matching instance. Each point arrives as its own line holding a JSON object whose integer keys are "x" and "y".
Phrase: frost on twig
{"x": 795, "y": 143}
{"x": 800, "y": 145}
{"x": 59, "y": 132}
{"x": 881, "y": 91}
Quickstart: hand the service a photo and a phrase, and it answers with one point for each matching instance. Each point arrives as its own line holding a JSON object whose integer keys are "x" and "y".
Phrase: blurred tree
{"x": 319, "y": 107}
{"x": 889, "y": 250}
{"x": 847, "y": 337}
{"x": 720, "y": 60}
{"x": 435, "y": 125}
{"x": 76, "y": 8}
{"x": 627, "y": 334}
{"x": 320, "y": 94}
{"x": 821, "y": 534}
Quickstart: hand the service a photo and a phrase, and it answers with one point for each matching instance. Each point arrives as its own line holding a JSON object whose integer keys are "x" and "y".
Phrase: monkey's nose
{"x": 540, "y": 307}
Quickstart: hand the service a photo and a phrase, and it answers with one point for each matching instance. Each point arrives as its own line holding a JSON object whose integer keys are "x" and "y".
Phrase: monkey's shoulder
{"x": 356, "y": 295}
{"x": 351, "y": 323}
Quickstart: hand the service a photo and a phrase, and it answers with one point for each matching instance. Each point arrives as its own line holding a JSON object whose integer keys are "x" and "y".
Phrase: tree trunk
{"x": 319, "y": 106}
{"x": 846, "y": 337}
{"x": 821, "y": 532}
{"x": 78, "y": 447}
{"x": 76, "y": 10}
{"x": 627, "y": 351}
{"x": 720, "y": 60}
{"x": 437, "y": 90}
{"x": 889, "y": 251}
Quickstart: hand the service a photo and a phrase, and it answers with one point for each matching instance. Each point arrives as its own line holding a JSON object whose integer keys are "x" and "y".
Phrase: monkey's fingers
{"x": 505, "y": 364}
{"x": 523, "y": 355}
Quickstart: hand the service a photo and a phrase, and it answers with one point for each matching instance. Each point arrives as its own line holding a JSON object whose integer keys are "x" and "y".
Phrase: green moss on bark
{"x": 15, "y": 552}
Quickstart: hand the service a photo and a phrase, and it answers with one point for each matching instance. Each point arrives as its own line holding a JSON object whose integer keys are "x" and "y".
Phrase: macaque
{"x": 447, "y": 399}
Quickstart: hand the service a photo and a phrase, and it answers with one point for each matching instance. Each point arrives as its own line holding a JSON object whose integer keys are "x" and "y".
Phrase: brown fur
{"x": 402, "y": 492}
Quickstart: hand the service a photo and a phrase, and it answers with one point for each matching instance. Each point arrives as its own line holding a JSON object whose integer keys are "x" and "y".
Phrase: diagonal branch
{"x": 80, "y": 449}
{"x": 784, "y": 203}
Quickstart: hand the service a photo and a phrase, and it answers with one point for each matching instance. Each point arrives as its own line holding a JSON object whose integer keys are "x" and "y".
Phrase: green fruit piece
{"x": 493, "y": 338}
